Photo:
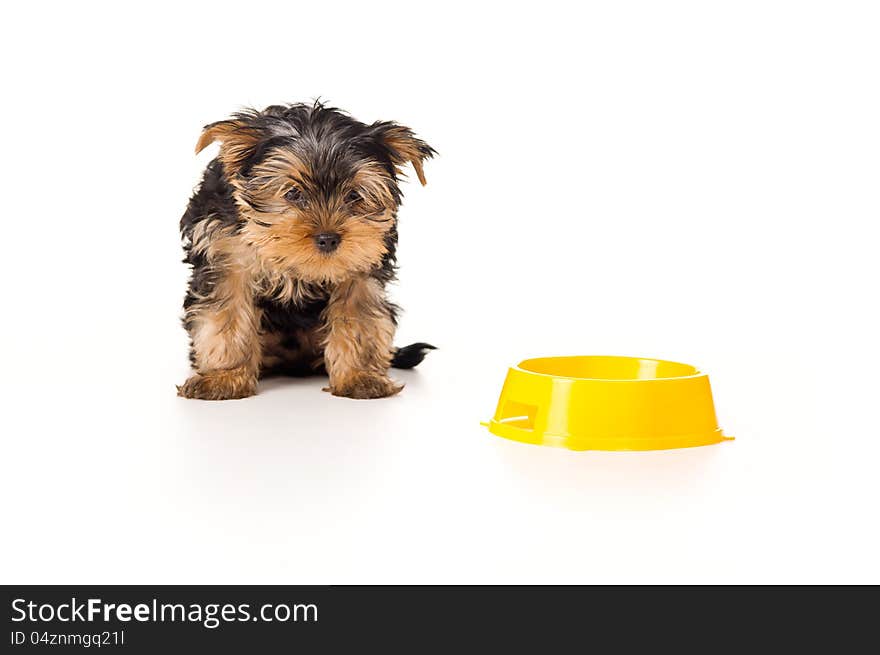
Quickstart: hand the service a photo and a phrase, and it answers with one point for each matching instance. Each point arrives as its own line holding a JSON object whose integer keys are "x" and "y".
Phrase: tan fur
{"x": 220, "y": 385}
{"x": 276, "y": 355}
{"x": 406, "y": 146}
{"x": 225, "y": 327}
{"x": 283, "y": 234}
{"x": 236, "y": 141}
{"x": 359, "y": 336}
{"x": 370, "y": 180}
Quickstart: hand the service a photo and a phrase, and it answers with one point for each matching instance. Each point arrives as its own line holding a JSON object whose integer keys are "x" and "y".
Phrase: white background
{"x": 693, "y": 181}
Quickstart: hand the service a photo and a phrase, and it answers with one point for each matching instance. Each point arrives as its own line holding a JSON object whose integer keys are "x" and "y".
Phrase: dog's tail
{"x": 411, "y": 355}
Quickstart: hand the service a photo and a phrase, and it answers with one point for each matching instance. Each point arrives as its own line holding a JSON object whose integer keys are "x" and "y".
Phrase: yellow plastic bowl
{"x": 607, "y": 403}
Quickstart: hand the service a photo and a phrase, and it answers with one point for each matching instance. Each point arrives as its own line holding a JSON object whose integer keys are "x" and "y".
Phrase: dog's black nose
{"x": 327, "y": 241}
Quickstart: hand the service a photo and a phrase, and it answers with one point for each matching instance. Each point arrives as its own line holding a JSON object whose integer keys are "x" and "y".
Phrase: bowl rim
{"x": 698, "y": 371}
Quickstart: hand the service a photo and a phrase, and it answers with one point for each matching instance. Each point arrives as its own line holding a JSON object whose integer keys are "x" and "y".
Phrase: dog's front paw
{"x": 220, "y": 385}
{"x": 364, "y": 386}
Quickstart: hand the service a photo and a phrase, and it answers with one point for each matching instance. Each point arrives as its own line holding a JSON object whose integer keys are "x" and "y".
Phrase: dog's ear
{"x": 404, "y": 146}
{"x": 238, "y": 140}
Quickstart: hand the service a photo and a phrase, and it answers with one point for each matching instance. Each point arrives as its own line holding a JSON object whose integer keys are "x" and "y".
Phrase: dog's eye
{"x": 296, "y": 196}
{"x": 353, "y": 197}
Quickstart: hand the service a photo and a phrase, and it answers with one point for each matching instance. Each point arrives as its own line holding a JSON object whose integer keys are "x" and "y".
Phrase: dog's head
{"x": 317, "y": 190}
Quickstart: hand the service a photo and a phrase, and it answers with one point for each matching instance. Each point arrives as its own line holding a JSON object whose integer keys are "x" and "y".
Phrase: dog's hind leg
{"x": 292, "y": 354}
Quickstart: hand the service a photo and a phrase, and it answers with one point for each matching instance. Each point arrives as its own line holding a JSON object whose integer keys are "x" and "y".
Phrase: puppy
{"x": 292, "y": 237}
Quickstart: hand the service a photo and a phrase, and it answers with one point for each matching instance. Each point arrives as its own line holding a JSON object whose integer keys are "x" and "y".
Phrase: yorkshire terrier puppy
{"x": 292, "y": 237}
